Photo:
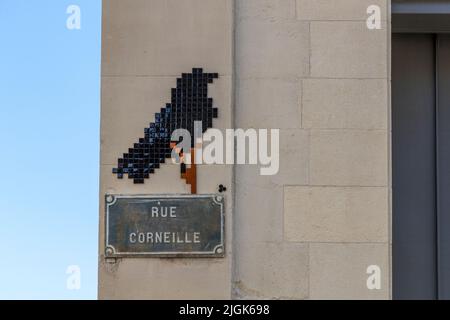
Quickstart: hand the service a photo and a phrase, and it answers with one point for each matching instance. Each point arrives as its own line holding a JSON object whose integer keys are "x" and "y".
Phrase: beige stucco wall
{"x": 310, "y": 68}
{"x": 147, "y": 44}
{"x": 321, "y": 76}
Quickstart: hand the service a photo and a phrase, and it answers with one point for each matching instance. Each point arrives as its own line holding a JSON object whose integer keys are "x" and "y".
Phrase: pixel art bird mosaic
{"x": 190, "y": 103}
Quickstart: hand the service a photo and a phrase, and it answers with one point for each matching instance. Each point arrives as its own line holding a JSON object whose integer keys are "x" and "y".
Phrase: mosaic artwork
{"x": 190, "y": 103}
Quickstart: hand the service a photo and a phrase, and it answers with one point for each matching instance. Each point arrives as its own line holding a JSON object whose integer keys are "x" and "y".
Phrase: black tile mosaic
{"x": 189, "y": 103}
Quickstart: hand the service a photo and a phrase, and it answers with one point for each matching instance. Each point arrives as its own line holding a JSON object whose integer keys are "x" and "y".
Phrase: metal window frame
{"x": 420, "y": 16}
{"x": 432, "y": 17}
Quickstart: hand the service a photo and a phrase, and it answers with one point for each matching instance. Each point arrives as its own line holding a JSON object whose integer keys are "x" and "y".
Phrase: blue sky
{"x": 49, "y": 139}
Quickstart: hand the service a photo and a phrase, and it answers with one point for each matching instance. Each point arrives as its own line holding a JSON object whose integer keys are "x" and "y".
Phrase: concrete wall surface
{"x": 147, "y": 44}
{"x": 321, "y": 77}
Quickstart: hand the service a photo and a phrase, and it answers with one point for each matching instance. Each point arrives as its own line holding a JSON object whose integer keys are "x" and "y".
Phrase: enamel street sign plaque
{"x": 164, "y": 226}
